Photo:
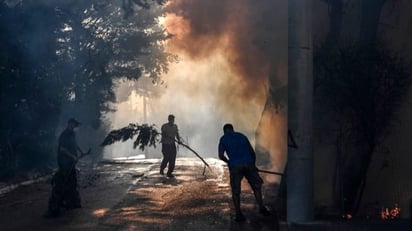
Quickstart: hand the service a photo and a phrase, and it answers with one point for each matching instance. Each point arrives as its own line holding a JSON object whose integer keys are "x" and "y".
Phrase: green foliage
{"x": 362, "y": 85}
{"x": 60, "y": 59}
{"x": 146, "y": 135}
{"x": 358, "y": 91}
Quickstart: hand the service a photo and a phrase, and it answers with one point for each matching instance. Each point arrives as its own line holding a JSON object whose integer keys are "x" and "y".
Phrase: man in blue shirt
{"x": 241, "y": 159}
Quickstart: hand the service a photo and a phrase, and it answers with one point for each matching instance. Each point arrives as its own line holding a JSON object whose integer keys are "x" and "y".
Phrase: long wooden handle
{"x": 186, "y": 146}
{"x": 270, "y": 172}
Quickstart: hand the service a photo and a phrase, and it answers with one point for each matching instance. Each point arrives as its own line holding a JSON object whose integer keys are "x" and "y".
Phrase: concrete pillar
{"x": 300, "y": 81}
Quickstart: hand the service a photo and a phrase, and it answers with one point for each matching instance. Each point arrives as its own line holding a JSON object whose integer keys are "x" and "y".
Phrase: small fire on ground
{"x": 100, "y": 212}
{"x": 384, "y": 214}
{"x": 390, "y": 213}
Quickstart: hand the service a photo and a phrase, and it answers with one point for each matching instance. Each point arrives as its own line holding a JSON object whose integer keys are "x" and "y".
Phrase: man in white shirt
{"x": 170, "y": 135}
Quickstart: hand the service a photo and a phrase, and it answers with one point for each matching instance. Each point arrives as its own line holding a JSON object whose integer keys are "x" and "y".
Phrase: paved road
{"x": 132, "y": 195}
{"x": 101, "y": 187}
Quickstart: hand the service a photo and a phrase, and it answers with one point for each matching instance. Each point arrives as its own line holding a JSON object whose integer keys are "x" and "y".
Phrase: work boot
{"x": 161, "y": 172}
{"x": 170, "y": 175}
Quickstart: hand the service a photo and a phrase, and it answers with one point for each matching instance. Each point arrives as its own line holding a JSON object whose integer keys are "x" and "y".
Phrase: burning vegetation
{"x": 390, "y": 214}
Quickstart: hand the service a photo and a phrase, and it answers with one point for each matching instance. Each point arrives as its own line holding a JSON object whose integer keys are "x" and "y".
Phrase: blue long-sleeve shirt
{"x": 238, "y": 149}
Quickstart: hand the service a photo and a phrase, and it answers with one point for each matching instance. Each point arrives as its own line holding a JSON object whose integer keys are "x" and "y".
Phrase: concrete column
{"x": 300, "y": 81}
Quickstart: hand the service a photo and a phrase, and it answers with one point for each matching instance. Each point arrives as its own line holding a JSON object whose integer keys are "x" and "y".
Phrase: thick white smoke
{"x": 228, "y": 50}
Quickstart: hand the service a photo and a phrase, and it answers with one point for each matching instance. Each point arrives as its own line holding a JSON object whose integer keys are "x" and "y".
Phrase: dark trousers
{"x": 64, "y": 191}
{"x": 249, "y": 171}
{"x": 169, "y": 157}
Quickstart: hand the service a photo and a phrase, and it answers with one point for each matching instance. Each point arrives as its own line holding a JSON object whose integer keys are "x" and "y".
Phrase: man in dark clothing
{"x": 64, "y": 182}
{"x": 170, "y": 134}
{"x": 241, "y": 160}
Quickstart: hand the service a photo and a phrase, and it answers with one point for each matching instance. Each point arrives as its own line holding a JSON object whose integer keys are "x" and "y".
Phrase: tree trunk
{"x": 338, "y": 181}
{"x": 330, "y": 44}
{"x": 356, "y": 178}
{"x": 335, "y": 24}
{"x": 370, "y": 14}
{"x": 366, "y": 161}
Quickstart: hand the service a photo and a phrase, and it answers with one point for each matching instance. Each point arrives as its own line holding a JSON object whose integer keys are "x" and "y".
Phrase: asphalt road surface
{"x": 132, "y": 195}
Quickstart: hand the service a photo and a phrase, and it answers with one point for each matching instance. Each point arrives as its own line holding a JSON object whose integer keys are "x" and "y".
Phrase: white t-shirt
{"x": 169, "y": 133}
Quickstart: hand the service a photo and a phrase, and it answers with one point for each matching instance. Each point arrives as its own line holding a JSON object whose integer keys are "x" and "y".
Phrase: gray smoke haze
{"x": 227, "y": 50}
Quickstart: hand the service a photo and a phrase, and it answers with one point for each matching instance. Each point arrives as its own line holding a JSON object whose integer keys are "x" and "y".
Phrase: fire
{"x": 347, "y": 216}
{"x": 100, "y": 212}
{"x": 390, "y": 214}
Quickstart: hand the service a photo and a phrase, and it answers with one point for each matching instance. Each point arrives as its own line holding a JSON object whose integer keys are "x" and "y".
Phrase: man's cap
{"x": 73, "y": 121}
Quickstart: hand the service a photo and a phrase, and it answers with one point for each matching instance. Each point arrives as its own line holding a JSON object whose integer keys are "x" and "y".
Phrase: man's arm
{"x": 79, "y": 149}
{"x": 252, "y": 151}
{"x": 66, "y": 152}
{"x": 221, "y": 150}
{"x": 179, "y": 140}
{"x": 224, "y": 158}
{"x": 162, "y": 129}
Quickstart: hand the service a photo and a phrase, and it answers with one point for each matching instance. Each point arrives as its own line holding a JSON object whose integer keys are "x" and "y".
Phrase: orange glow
{"x": 347, "y": 216}
{"x": 231, "y": 54}
{"x": 390, "y": 214}
{"x": 176, "y": 25}
{"x": 100, "y": 212}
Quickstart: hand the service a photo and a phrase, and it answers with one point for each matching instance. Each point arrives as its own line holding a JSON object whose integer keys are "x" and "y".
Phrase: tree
{"x": 61, "y": 59}
{"x": 360, "y": 88}
{"x": 24, "y": 66}
{"x": 350, "y": 81}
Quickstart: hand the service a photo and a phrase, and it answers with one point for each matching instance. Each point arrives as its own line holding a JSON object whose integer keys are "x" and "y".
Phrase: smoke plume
{"x": 228, "y": 51}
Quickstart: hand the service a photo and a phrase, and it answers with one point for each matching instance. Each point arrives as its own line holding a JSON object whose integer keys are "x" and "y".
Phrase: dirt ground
{"x": 132, "y": 195}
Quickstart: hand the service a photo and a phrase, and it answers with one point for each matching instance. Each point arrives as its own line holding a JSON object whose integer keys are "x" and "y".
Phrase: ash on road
{"x": 132, "y": 195}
